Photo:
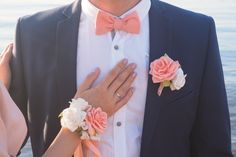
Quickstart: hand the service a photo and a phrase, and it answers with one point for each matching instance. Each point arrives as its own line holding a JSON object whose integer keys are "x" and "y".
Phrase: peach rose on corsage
{"x": 96, "y": 120}
{"x": 168, "y": 73}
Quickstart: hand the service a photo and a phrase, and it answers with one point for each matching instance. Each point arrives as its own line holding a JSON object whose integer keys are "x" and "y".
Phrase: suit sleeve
{"x": 17, "y": 89}
{"x": 211, "y": 132}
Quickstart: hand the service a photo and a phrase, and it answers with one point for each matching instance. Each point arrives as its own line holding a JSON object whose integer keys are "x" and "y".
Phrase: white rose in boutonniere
{"x": 179, "y": 81}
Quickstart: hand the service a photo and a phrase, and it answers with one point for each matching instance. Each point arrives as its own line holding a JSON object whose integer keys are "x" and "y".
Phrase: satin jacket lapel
{"x": 160, "y": 43}
{"x": 66, "y": 47}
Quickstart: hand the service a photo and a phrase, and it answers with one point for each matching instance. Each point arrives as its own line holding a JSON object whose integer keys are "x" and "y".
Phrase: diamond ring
{"x": 118, "y": 95}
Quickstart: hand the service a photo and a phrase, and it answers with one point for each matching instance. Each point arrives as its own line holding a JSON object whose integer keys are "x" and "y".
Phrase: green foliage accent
{"x": 166, "y": 83}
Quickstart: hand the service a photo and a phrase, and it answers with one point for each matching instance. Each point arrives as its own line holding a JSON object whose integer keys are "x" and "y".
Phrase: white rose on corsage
{"x": 72, "y": 118}
{"x": 84, "y": 135}
{"x": 79, "y": 104}
{"x": 179, "y": 81}
{"x": 75, "y": 115}
{"x": 96, "y": 137}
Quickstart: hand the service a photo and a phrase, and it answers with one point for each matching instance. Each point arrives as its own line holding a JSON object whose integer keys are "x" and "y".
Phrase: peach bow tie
{"x": 106, "y": 23}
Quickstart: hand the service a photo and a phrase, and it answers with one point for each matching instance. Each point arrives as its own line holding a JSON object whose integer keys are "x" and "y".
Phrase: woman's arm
{"x": 5, "y": 77}
{"x": 3, "y": 140}
{"x": 5, "y": 57}
{"x": 64, "y": 145}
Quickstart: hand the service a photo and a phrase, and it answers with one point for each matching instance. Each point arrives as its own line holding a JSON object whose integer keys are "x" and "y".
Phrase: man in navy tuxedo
{"x": 191, "y": 122}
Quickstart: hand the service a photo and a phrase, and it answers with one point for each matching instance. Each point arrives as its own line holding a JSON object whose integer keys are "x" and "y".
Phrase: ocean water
{"x": 223, "y": 11}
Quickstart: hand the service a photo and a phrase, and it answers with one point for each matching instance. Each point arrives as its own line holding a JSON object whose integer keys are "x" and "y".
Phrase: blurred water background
{"x": 223, "y": 11}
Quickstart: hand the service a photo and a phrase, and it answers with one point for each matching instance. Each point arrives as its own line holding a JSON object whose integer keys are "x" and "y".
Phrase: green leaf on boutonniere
{"x": 60, "y": 115}
{"x": 166, "y": 83}
{"x": 166, "y": 54}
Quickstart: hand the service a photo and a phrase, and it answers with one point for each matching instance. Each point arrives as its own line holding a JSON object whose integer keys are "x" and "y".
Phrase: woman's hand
{"x": 5, "y": 71}
{"x": 113, "y": 92}
{"x": 104, "y": 95}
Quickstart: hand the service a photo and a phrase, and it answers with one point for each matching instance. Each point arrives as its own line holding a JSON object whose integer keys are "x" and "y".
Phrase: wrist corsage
{"x": 81, "y": 117}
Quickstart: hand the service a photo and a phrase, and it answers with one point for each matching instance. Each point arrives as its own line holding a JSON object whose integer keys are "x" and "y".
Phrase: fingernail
{"x": 134, "y": 75}
{"x": 125, "y": 61}
{"x": 96, "y": 70}
{"x": 132, "y": 89}
{"x": 133, "y": 66}
{"x": 11, "y": 47}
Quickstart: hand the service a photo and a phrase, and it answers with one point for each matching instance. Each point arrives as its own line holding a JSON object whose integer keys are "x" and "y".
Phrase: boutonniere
{"x": 168, "y": 73}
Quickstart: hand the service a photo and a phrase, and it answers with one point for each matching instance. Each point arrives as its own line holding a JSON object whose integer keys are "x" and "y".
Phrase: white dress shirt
{"x": 122, "y": 137}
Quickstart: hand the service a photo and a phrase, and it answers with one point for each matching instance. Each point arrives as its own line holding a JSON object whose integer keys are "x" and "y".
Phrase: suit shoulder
{"x": 184, "y": 16}
{"x": 186, "y": 23}
{"x": 45, "y": 15}
{"x": 44, "y": 20}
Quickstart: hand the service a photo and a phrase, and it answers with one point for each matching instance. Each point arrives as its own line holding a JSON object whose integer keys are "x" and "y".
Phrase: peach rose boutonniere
{"x": 168, "y": 73}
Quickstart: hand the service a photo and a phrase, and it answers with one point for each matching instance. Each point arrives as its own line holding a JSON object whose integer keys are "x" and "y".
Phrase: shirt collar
{"x": 142, "y": 9}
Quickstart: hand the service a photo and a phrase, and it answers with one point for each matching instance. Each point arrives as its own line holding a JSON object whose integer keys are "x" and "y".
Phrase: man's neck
{"x": 115, "y": 7}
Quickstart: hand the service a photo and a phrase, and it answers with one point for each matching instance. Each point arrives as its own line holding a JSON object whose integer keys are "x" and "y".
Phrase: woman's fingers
{"x": 88, "y": 82}
{"x": 114, "y": 73}
{"x": 5, "y": 70}
{"x": 124, "y": 100}
{"x": 5, "y": 49}
{"x": 124, "y": 88}
{"x": 7, "y": 54}
{"x": 121, "y": 79}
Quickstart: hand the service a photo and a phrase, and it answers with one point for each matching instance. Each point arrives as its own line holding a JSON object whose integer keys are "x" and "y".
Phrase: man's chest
{"x": 105, "y": 51}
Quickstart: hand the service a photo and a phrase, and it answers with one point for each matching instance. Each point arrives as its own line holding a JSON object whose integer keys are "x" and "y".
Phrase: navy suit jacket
{"x": 191, "y": 122}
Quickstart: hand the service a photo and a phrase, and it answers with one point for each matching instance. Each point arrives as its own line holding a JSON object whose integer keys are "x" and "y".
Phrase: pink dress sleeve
{"x": 13, "y": 122}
